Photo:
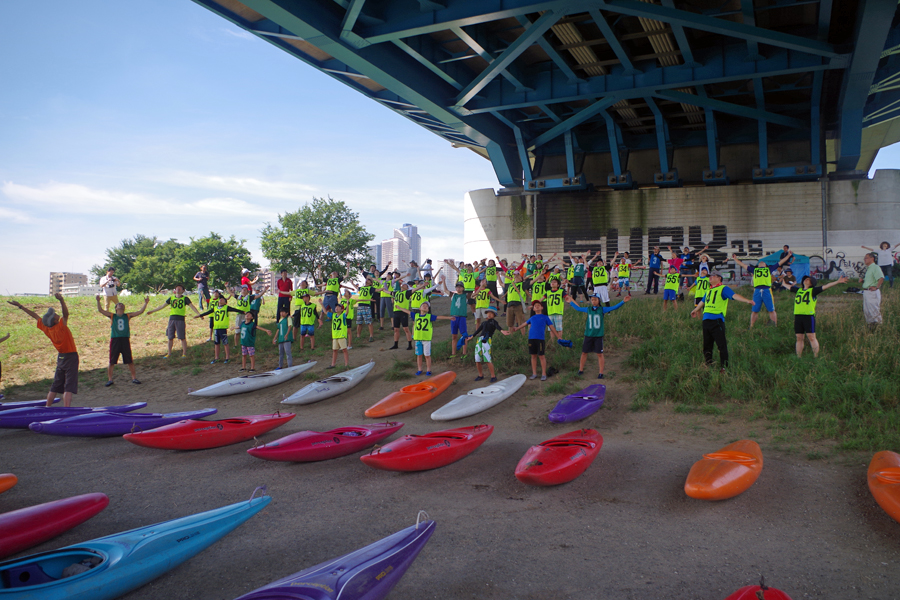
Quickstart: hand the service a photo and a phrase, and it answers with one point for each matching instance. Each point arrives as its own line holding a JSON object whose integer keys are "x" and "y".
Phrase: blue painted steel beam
{"x": 734, "y": 109}
{"x": 421, "y": 59}
{"x": 555, "y": 56}
{"x": 523, "y": 154}
{"x": 761, "y": 124}
{"x": 662, "y": 135}
{"x": 614, "y": 134}
{"x": 350, "y": 17}
{"x": 577, "y": 119}
{"x": 477, "y": 45}
{"x": 681, "y": 38}
{"x": 872, "y": 27}
{"x": 614, "y": 43}
{"x": 499, "y": 64}
{"x": 815, "y": 120}
{"x": 825, "y": 7}
{"x": 570, "y": 155}
{"x": 749, "y": 17}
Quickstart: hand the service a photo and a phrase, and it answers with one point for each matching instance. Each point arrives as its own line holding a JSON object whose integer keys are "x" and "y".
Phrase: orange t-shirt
{"x": 60, "y": 335}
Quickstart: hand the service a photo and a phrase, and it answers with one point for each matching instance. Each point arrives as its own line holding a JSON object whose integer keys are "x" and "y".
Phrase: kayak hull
{"x": 21, "y": 418}
{"x": 25, "y": 404}
{"x": 411, "y": 396}
{"x": 560, "y": 459}
{"x": 726, "y": 473}
{"x": 331, "y": 386}
{"x": 479, "y": 400}
{"x": 751, "y": 592}
{"x": 192, "y": 434}
{"x": 578, "y": 406}
{"x": 311, "y": 446}
{"x": 7, "y": 481}
{"x": 113, "y": 424}
{"x": 128, "y": 560}
{"x": 251, "y": 383}
{"x": 429, "y": 451}
{"x": 884, "y": 482}
{"x": 31, "y": 526}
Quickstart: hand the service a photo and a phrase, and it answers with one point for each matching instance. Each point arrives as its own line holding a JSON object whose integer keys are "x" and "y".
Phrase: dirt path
{"x": 624, "y": 529}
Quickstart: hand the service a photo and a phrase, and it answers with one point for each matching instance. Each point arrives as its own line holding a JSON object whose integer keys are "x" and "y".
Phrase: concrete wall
{"x": 750, "y": 220}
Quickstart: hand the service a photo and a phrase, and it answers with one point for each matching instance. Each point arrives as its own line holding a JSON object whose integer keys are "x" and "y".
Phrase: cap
{"x": 428, "y": 260}
{"x": 460, "y": 284}
{"x": 789, "y": 269}
{"x": 491, "y": 309}
{"x": 47, "y": 319}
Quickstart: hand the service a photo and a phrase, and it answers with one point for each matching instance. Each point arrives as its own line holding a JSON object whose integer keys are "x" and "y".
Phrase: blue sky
{"x": 161, "y": 118}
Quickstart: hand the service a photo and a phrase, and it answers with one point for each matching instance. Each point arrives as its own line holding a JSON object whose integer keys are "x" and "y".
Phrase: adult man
{"x": 285, "y": 292}
{"x": 109, "y": 282}
{"x": 65, "y": 380}
{"x": 202, "y": 279}
{"x": 120, "y": 338}
{"x": 654, "y": 264}
{"x": 871, "y": 283}
{"x": 713, "y": 307}
{"x": 762, "y": 288}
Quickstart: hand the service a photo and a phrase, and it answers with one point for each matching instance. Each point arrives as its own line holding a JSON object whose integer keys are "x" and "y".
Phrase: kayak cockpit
{"x": 47, "y": 568}
{"x": 580, "y": 443}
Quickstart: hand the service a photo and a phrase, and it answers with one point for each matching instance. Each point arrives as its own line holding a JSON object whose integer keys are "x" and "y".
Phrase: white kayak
{"x": 334, "y": 385}
{"x": 479, "y": 399}
{"x": 251, "y": 383}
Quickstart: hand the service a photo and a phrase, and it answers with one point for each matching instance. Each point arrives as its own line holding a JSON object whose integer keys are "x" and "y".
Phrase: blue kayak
{"x": 21, "y": 418}
{"x": 366, "y": 574}
{"x": 25, "y": 404}
{"x": 109, "y": 424}
{"x": 579, "y": 405}
{"x": 111, "y": 566}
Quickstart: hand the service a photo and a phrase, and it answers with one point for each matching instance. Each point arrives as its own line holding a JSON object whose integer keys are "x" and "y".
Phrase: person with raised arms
{"x": 216, "y": 294}
{"x": 297, "y": 320}
{"x": 177, "y": 304}
{"x": 483, "y": 296}
{"x": 805, "y": 311}
{"x": 365, "y": 299}
{"x": 56, "y": 328}
{"x": 594, "y": 330}
{"x": 556, "y": 302}
{"x": 486, "y": 331}
{"x": 340, "y": 325}
{"x": 257, "y": 302}
{"x": 304, "y": 321}
{"x": 459, "y": 312}
{"x": 243, "y": 299}
{"x": 120, "y": 338}
{"x": 283, "y": 338}
{"x": 670, "y": 288}
{"x": 537, "y": 337}
{"x": 248, "y": 341}
{"x": 332, "y": 289}
{"x": 575, "y": 274}
{"x": 539, "y": 289}
{"x": 402, "y": 309}
{"x": 701, "y": 285}
{"x": 423, "y": 330}
{"x": 379, "y": 306}
{"x": 599, "y": 277}
{"x": 516, "y": 297}
{"x": 713, "y": 307}
{"x": 762, "y": 288}
{"x": 350, "y": 305}
{"x": 219, "y": 311}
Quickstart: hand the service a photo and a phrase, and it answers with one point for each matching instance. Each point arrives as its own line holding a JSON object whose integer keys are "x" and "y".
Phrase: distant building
{"x": 80, "y": 290}
{"x": 410, "y": 233}
{"x": 396, "y": 251}
{"x": 268, "y": 278}
{"x": 60, "y": 280}
{"x": 375, "y": 255}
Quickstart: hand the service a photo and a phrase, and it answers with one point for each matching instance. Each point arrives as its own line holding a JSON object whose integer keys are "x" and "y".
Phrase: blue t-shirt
{"x": 728, "y": 294}
{"x": 655, "y": 261}
{"x": 538, "y": 324}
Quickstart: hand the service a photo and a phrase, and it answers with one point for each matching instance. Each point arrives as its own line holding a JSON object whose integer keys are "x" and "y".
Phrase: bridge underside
{"x": 570, "y": 94}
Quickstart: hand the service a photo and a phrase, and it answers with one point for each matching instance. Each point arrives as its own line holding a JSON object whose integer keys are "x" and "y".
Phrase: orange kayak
{"x": 412, "y": 396}
{"x": 7, "y": 480}
{"x": 726, "y": 473}
{"x": 884, "y": 482}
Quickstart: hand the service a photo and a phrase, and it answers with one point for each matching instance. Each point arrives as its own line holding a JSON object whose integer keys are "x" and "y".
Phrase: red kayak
{"x": 7, "y": 481}
{"x": 757, "y": 592}
{"x": 429, "y": 451}
{"x": 30, "y": 526}
{"x": 560, "y": 459}
{"x": 196, "y": 434}
{"x": 310, "y": 446}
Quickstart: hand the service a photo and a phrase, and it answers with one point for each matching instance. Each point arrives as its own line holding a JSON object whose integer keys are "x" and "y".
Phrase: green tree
{"x": 143, "y": 264}
{"x": 225, "y": 259}
{"x": 324, "y": 234}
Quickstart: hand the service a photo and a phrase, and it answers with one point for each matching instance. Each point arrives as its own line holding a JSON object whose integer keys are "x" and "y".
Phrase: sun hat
{"x": 491, "y": 309}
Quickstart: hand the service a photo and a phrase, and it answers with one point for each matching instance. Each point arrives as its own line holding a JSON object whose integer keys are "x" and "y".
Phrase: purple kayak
{"x": 25, "y": 404}
{"x": 579, "y": 405}
{"x": 21, "y": 418}
{"x": 108, "y": 424}
{"x": 366, "y": 574}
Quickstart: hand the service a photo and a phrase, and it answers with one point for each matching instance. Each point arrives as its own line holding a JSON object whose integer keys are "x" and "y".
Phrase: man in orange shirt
{"x": 65, "y": 380}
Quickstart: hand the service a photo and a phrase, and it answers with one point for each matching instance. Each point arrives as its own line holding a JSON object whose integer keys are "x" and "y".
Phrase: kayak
{"x": 331, "y": 386}
{"x": 251, "y": 383}
{"x": 478, "y": 400}
{"x": 726, "y": 473}
{"x": 560, "y": 459}
{"x": 7, "y": 481}
{"x": 21, "y": 418}
{"x": 757, "y": 592}
{"x": 309, "y": 446}
{"x": 884, "y": 482}
{"x": 579, "y": 405}
{"x": 192, "y": 434}
{"x": 113, "y": 424}
{"x": 31, "y": 526}
{"x": 111, "y": 566}
{"x": 411, "y": 396}
{"x": 429, "y": 451}
{"x": 366, "y": 574}
{"x": 26, "y": 404}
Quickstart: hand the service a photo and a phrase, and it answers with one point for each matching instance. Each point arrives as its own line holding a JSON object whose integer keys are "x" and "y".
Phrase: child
{"x": 366, "y": 293}
{"x": 306, "y": 320}
{"x": 458, "y": 313}
{"x": 283, "y": 338}
{"x": 483, "y": 297}
{"x": 701, "y": 286}
{"x": 556, "y": 298}
{"x": 177, "y": 308}
{"x": 350, "y": 305}
{"x": 219, "y": 312}
{"x": 593, "y": 330}
{"x": 401, "y": 316}
{"x": 216, "y": 294}
{"x": 537, "y": 337}
{"x": 483, "y": 346}
{"x": 805, "y": 311}
{"x": 120, "y": 338}
{"x": 248, "y": 341}
{"x": 339, "y": 327}
{"x": 257, "y": 302}
{"x": 670, "y": 288}
{"x": 3, "y": 339}
{"x": 422, "y": 333}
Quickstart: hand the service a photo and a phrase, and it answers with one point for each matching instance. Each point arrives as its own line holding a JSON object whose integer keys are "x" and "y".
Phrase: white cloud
{"x": 242, "y": 185}
{"x": 15, "y": 216}
{"x": 240, "y": 33}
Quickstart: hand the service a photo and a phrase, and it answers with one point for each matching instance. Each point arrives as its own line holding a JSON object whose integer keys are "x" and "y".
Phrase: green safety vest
{"x": 120, "y": 327}
{"x": 552, "y": 276}
{"x": 700, "y": 287}
{"x": 333, "y": 285}
{"x": 672, "y": 282}
{"x": 307, "y": 314}
{"x": 508, "y": 276}
{"x": 555, "y": 302}
{"x": 714, "y": 303}
{"x": 416, "y": 299}
{"x": 423, "y": 328}
{"x": 248, "y": 334}
{"x": 220, "y": 317}
{"x": 339, "y": 327}
{"x": 538, "y": 291}
{"x": 483, "y": 298}
{"x": 570, "y": 273}
{"x": 514, "y": 292}
{"x": 804, "y": 302}
{"x": 593, "y": 326}
{"x": 458, "y": 306}
{"x": 349, "y": 307}
{"x": 285, "y": 331}
{"x": 243, "y": 303}
{"x": 490, "y": 273}
{"x": 298, "y": 296}
{"x": 468, "y": 279}
{"x": 177, "y": 306}
{"x": 365, "y": 294}
{"x": 401, "y": 300}
{"x": 624, "y": 270}
{"x": 762, "y": 276}
{"x": 599, "y": 275}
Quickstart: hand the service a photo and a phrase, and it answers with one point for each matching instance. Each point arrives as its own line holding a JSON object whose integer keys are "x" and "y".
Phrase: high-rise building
{"x": 410, "y": 233}
{"x": 396, "y": 251}
{"x": 375, "y": 255}
{"x": 59, "y": 280}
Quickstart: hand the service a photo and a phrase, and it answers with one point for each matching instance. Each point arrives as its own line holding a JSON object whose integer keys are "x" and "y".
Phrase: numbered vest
{"x": 599, "y": 275}
{"x": 508, "y": 277}
{"x": 400, "y": 300}
{"x": 672, "y": 282}
{"x": 120, "y": 327}
{"x": 220, "y": 317}
{"x": 538, "y": 291}
{"x": 804, "y": 302}
{"x": 701, "y": 287}
{"x": 349, "y": 307}
{"x": 490, "y": 273}
{"x": 416, "y": 299}
{"x": 365, "y": 293}
{"x": 307, "y": 314}
{"x": 514, "y": 293}
{"x": 423, "y": 328}
{"x": 714, "y": 303}
{"x": 248, "y": 334}
{"x": 625, "y": 270}
{"x": 177, "y": 306}
{"x": 338, "y": 327}
{"x": 570, "y": 273}
{"x": 483, "y": 298}
{"x": 285, "y": 332}
{"x": 243, "y": 303}
{"x": 333, "y": 285}
{"x": 552, "y": 276}
{"x": 468, "y": 279}
{"x": 762, "y": 276}
{"x": 593, "y": 326}
{"x": 555, "y": 302}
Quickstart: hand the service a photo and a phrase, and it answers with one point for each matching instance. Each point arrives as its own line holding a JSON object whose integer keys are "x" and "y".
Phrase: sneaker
{"x": 479, "y": 378}
{"x": 532, "y": 376}
{"x": 600, "y": 376}
{"x": 135, "y": 381}
{"x": 212, "y": 362}
{"x": 349, "y": 347}
{"x": 251, "y": 370}
{"x": 418, "y": 373}
{"x": 225, "y": 362}
{"x": 543, "y": 378}
{"x": 380, "y": 329}
{"x": 581, "y": 372}
{"x": 394, "y": 347}
{"x": 427, "y": 373}
{"x": 165, "y": 356}
{"x": 330, "y": 367}
{"x": 493, "y": 379}
{"x": 371, "y": 339}
{"x": 771, "y": 324}
{"x": 108, "y": 383}
{"x": 241, "y": 369}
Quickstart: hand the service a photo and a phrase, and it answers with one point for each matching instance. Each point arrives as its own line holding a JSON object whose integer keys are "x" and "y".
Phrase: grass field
{"x": 850, "y": 394}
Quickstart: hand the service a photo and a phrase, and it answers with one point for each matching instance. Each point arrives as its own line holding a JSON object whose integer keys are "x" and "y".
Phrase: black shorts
{"x": 295, "y": 319}
{"x": 120, "y": 346}
{"x": 470, "y": 301}
{"x": 537, "y": 347}
{"x": 220, "y": 336}
{"x": 804, "y": 324}
{"x": 401, "y": 319}
{"x": 592, "y": 344}
{"x": 66, "y": 377}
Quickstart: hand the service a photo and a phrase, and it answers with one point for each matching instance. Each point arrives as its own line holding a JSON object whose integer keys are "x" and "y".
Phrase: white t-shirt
{"x": 109, "y": 285}
{"x": 885, "y": 258}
